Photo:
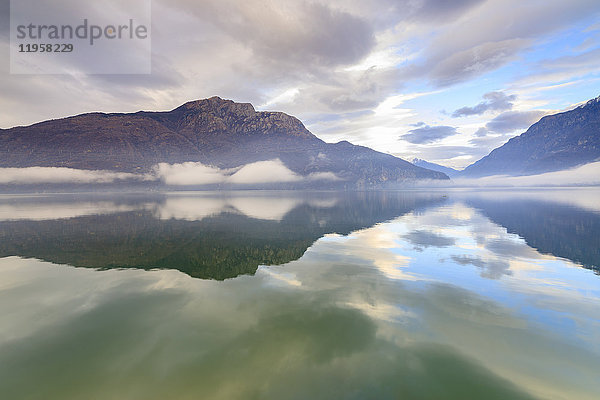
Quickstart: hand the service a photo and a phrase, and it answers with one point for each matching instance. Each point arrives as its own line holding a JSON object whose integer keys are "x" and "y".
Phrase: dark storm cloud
{"x": 428, "y": 134}
{"x": 512, "y": 120}
{"x": 428, "y": 239}
{"x": 494, "y": 101}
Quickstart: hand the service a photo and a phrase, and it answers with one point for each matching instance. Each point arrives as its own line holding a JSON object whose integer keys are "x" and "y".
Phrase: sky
{"x": 445, "y": 81}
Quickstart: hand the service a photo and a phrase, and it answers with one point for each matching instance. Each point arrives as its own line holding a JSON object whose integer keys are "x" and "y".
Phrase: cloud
{"x": 490, "y": 142}
{"x": 340, "y": 91}
{"x": 435, "y": 9}
{"x": 193, "y": 173}
{"x": 588, "y": 174}
{"x": 512, "y": 120}
{"x": 428, "y": 239}
{"x": 440, "y": 154}
{"x": 499, "y": 129}
{"x": 481, "y": 132}
{"x": 270, "y": 171}
{"x": 561, "y": 71}
{"x": 189, "y": 173}
{"x": 493, "y": 269}
{"x": 264, "y": 172}
{"x": 492, "y": 35}
{"x": 295, "y": 34}
{"x": 474, "y": 61}
{"x": 495, "y": 101}
{"x": 4, "y": 19}
{"x": 32, "y": 175}
{"x": 428, "y": 134}
{"x": 585, "y": 175}
{"x": 323, "y": 176}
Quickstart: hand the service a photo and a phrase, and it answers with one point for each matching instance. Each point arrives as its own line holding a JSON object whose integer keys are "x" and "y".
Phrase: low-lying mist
{"x": 184, "y": 174}
{"x": 35, "y": 175}
{"x": 584, "y": 175}
{"x": 273, "y": 172}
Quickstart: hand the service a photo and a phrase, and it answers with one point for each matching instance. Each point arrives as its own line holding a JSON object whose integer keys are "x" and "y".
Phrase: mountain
{"x": 435, "y": 167}
{"x": 555, "y": 142}
{"x": 212, "y": 131}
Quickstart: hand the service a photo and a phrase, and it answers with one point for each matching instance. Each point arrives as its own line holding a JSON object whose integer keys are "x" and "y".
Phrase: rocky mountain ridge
{"x": 554, "y": 143}
{"x": 212, "y": 131}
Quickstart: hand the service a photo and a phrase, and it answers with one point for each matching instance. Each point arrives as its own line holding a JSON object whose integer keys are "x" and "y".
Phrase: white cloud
{"x": 270, "y": 171}
{"x": 32, "y": 175}
{"x": 585, "y": 175}
{"x": 264, "y": 172}
{"x": 323, "y": 176}
{"x": 189, "y": 173}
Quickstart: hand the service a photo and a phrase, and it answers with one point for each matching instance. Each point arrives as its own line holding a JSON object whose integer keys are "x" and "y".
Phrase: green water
{"x": 283, "y": 295}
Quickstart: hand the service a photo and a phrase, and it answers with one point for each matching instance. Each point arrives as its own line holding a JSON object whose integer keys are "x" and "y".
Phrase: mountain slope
{"x": 553, "y": 143}
{"x": 435, "y": 167}
{"x": 211, "y": 131}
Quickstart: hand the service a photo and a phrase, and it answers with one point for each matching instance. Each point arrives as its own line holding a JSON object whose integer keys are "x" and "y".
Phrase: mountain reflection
{"x": 391, "y": 295}
{"x": 205, "y": 236}
{"x": 550, "y": 227}
{"x": 224, "y": 235}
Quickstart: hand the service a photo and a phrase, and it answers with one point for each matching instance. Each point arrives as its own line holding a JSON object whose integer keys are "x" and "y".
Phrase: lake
{"x": 453, "y": 294}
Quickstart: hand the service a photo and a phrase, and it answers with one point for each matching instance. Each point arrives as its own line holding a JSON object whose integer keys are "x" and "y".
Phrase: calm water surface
{"x": 280, "y": 295}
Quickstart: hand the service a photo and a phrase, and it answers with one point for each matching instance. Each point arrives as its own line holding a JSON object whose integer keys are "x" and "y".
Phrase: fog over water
{"x": 273, "y": 171}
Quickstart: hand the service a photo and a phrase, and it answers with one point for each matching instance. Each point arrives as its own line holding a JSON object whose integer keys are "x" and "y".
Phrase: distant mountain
{"x": 435, "y": 167}
{"x": 212, "y": 131}
{"x": 555, "y": 142}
